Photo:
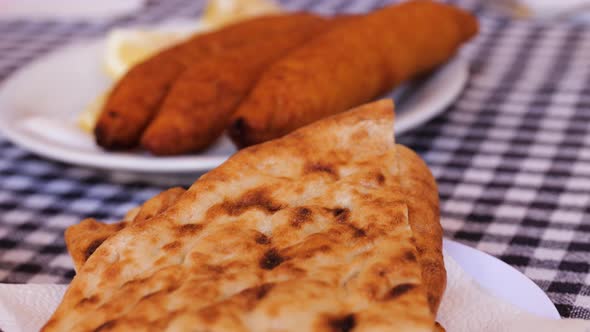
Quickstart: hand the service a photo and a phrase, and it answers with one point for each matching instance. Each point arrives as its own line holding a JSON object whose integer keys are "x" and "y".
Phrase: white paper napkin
{"x": 466, "y": 307}
{"x": 27, "y": 307}
{"x": 68, "y": 9}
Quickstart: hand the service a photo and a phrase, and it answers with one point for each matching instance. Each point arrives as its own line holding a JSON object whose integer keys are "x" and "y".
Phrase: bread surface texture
{"x": 315, "y": 231}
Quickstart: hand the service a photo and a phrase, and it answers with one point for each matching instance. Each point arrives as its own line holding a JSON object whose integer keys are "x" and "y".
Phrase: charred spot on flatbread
{"x": 271, "y": 259}
{"x": 345, "y": 323}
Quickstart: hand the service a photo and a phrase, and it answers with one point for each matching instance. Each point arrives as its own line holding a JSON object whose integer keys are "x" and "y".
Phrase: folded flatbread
{"x": 330, "y": 228}
{"x": 84, "y": 238}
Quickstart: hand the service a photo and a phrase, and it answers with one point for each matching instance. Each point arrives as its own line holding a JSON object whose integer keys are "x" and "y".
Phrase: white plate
{"x": 39, "y": 106}
{"x": 502, "y": 280}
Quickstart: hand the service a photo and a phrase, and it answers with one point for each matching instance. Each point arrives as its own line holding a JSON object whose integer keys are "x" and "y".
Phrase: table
{"x": 511, "y": 155}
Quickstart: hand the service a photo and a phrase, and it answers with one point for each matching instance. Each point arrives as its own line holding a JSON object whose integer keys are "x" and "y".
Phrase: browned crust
{"x": 421, "y": 193}
{"x": 350, "y": 65}
{"x": 202, "y": 99}
{"x": 438, "y": 328}
{"x": 136, "y": 97}
{"x": 158, "y": 204}
{"x": 84, "y": 238}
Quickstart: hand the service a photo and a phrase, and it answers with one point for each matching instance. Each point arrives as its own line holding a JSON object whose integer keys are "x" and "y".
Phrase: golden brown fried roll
{"x": 200, "y": 102}
{"x": 350, "y": 65}
{"x": 136, "y": 97}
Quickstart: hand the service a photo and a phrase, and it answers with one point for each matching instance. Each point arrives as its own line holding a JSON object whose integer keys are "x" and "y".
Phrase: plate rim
{"x": 546, "y": 307}
{"x": 409, "y": 120}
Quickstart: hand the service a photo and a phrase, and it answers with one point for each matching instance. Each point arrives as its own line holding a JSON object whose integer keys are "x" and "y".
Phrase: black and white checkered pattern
{"x": 511, "y": 156}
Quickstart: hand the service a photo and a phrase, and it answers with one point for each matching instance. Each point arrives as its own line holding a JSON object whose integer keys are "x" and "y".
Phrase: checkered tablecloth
{"x": 511, "y": 155}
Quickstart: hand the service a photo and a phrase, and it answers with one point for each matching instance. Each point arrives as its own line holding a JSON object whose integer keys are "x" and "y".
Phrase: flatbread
{"x": 421, "y": 197}
{"x": 310, "y": 232}
{"x": 438, "y": 328}
{"x": 420, "y": 193}
{"x": 84, "y": 238}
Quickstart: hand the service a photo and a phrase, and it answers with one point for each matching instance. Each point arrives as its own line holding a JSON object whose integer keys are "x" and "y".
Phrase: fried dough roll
{"x": 350, "y": 65}
{"x": 201, "y": 101}
{"x": 137, "y": 96}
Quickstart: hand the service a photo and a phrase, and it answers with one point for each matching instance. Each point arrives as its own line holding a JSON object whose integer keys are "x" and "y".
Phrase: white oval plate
{"x": 40, "y": 103}
{"x": 502, "y": 280}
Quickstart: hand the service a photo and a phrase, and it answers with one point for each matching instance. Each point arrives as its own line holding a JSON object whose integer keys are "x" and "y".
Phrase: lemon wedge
{"x": 127, "y": 47}
{"x": 87, "y": 119}
{"x": 222, "y": 12}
